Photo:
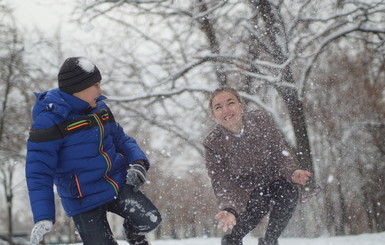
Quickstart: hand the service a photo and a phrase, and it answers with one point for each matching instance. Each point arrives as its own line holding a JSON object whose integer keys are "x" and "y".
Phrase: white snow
{"x": 363, "y": 239}
{"x": 86, "y": 65}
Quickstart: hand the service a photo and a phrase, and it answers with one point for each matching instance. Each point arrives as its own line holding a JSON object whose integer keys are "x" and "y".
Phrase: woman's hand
{"x": 226, "y": 220}
{"x": 301, "y": 176}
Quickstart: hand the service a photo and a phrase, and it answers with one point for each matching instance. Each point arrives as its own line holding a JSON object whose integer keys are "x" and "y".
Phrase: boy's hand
{"x": 136, "y": 175}
{"x": 39, "y": 230}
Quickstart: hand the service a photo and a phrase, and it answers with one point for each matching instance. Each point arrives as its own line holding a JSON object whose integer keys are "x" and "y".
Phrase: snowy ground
{"x": 364, "y": 239}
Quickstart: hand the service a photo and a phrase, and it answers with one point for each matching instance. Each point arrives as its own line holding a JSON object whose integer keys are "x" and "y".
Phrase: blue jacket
{"x": 83, "y": 151}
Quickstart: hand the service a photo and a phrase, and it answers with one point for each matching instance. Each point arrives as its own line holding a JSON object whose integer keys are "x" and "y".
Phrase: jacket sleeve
{"x": 128, "y": 146}
{"x": 281, "y": 154}
{"x": 41, "y": 161}
{"x": 227, "y": 193}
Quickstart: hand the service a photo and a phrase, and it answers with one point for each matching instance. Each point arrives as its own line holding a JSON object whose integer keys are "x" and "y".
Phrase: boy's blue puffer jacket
{"x": 85, "y": 153}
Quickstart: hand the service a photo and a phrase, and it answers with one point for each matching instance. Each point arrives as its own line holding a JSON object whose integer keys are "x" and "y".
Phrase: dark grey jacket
{"x": 237, "y": 164}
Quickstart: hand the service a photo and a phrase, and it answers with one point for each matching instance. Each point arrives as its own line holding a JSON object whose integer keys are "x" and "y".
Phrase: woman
{"x": 250, "y": 168}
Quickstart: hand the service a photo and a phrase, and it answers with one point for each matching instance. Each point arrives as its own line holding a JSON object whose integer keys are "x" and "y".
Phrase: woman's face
{"x": 227, "y": 111}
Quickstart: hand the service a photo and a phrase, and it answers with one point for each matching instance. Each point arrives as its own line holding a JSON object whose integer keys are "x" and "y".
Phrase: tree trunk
{"x": 289, "y": 95}
{"x": 208, "y": 29}
{"x": 7, "y": 184}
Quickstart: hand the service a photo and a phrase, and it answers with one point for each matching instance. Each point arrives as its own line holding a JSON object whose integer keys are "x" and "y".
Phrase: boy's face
{"x": 90, "y": 94}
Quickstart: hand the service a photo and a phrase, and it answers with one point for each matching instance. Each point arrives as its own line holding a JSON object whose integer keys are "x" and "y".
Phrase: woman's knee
{"x": 285, "y": 191}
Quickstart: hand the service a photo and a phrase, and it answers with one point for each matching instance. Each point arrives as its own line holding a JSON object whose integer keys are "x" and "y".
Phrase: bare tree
{"x": 13, "y": 112}
{"x": 272, "y": 38}
{"x": 345, "y": 120}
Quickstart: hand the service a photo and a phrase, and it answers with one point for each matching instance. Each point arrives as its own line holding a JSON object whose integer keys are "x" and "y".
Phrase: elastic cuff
{"x": 143, "y": 163}
{"x": 230, "y": 210}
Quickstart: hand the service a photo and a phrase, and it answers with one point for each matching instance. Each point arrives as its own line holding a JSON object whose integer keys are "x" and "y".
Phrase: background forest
{"x": 317, "y": 66}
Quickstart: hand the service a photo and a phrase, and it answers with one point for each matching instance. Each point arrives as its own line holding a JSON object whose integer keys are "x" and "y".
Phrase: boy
{"x": 76, "y": 144}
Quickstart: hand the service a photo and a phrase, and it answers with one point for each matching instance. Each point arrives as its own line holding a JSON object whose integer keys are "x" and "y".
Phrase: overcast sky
{"x": 49, "y": 17}
{"x": 44, "y": 14}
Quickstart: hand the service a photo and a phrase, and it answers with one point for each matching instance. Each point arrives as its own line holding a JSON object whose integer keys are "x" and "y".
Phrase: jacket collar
{"x": 60, "y": 103}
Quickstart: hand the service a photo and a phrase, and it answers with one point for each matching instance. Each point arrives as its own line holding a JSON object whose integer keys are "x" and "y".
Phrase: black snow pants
{"x": 139, "y": 213}
{"x": 281, "y": 197}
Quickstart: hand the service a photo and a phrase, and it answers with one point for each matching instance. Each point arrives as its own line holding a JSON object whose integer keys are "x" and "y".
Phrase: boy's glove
{"x": 136, "y": 175}
{"x": 39, "y": 230}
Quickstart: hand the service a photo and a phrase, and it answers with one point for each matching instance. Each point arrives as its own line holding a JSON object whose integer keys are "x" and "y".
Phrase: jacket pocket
{"x": 75, "y": 187}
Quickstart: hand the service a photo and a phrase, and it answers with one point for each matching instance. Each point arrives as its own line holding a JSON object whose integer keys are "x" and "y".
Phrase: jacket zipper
{"x": 105, "y": 155}
{"x": 78, "y": 186}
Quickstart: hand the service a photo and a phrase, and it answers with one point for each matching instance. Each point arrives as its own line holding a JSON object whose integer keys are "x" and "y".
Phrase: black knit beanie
{"x": 76, "y": 74}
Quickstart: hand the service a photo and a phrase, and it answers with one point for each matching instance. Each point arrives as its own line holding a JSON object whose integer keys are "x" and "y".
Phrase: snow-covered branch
{"x": 145, "y": 35}
{"x": 135, "y": 1}
{"x": 117, "y": 3}
{"x": 174, "y": 129}
{"x": 242, "y": 65}
{"x": 332, "y": 37}
{"x": 162, "y": 94}
{"x": 210, "y": 10}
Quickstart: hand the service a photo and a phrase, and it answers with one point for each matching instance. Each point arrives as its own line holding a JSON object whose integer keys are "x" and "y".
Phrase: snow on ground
{"x": 363, "y": 239}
